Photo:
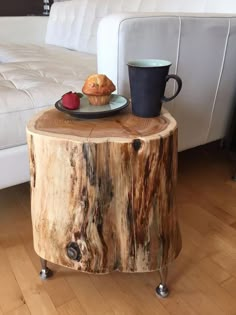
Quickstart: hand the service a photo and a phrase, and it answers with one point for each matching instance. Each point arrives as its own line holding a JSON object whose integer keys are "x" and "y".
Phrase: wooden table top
{"x": 125, "y": 125}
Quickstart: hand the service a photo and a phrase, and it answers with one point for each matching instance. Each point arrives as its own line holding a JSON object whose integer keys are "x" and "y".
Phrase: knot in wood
{"x": 73, "y": 251}
{"x": 137, "y": 144}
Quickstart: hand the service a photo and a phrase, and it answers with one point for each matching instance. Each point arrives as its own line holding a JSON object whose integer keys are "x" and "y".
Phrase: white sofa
{"x": 41, "y": 58}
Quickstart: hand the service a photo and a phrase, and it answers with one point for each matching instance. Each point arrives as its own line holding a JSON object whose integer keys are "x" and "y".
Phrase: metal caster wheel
{"x": 162, "y": 290}
{"x": 45, "y": 273}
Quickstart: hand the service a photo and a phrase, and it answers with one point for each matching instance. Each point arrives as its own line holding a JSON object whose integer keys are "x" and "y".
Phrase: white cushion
{"x": 28, "y": 86}
{"x": 14, "y": 166}
{"x": 10, "y": 52}
{"x": 17, "y": 52}
{"x": 73, "y": 24}
{"x": 202, "y": 51}
{"x": 66, "y": 27}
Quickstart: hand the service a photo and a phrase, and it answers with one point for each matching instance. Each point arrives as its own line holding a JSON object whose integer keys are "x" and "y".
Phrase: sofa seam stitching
{"x": 219, "y": 81}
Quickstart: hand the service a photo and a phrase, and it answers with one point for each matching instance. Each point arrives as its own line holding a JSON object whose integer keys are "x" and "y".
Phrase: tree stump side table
{"x": 103, "y": 192}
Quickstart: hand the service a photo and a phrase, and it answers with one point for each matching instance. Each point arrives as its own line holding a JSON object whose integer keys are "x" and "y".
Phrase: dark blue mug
{"x": 148, "y": 78}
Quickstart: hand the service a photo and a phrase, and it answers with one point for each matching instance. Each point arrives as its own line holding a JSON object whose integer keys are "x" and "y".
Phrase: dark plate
{"x": 116, "y": 104}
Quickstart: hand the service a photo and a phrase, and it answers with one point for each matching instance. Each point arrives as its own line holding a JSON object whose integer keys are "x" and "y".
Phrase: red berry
{"x": 71, "y": 100}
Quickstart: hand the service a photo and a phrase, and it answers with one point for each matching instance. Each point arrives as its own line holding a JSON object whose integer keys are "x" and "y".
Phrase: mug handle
{"x": 179, "y": 82}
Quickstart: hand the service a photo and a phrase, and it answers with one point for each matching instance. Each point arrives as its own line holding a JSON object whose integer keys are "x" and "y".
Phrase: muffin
{"x": 98, "y": 89}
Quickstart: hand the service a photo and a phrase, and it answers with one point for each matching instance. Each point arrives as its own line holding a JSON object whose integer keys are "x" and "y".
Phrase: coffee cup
{"x": 148, "y": 78}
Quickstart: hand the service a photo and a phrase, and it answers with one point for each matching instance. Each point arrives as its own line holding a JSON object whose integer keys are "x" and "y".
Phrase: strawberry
{"x": 71, "y": 100}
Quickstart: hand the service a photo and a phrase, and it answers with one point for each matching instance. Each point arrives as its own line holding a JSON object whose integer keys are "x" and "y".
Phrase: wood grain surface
{"x": 107, "y": 185}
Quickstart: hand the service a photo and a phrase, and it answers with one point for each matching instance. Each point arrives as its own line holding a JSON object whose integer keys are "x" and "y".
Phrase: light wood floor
{"x": 202, "y": 280}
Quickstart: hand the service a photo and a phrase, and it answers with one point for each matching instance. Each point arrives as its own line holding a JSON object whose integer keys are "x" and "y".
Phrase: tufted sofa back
{"x": 73, "y": 24}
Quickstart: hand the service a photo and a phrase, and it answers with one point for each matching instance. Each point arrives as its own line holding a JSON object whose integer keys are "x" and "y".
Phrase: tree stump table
{"x": 103, "y": 192}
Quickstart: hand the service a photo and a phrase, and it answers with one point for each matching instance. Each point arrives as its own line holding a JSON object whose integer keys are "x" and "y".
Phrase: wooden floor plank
{"x": 58, "y": 289}
{"x": 195, "y": 298}
{"x": 22, "y": 193}
{"x": 227, "y": 261}
{"x": 174, "y": 304}
{"x": 10, "y": 294}
{"x": 230, "y": 286}
{"x": 207, "y": 172}
{"x": 72, "y": 307}
{"x": 22, "y": 310}
{"x": 146, "y": 299}
{"x": 119, "y": 301}
{"x": 31, "y": 286}
{"x": 233, "y": 225}
{"x": 187, "y": 192}
{"x": 209, "y": 267}
{"x": 202, "y": 221}
{"x": 217, "y": 235}
{"x": 87, "y": 295}
{"x": 213, "y": 291}
{"x": 195, "y": 247}
{"x": 11, "y": 211}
